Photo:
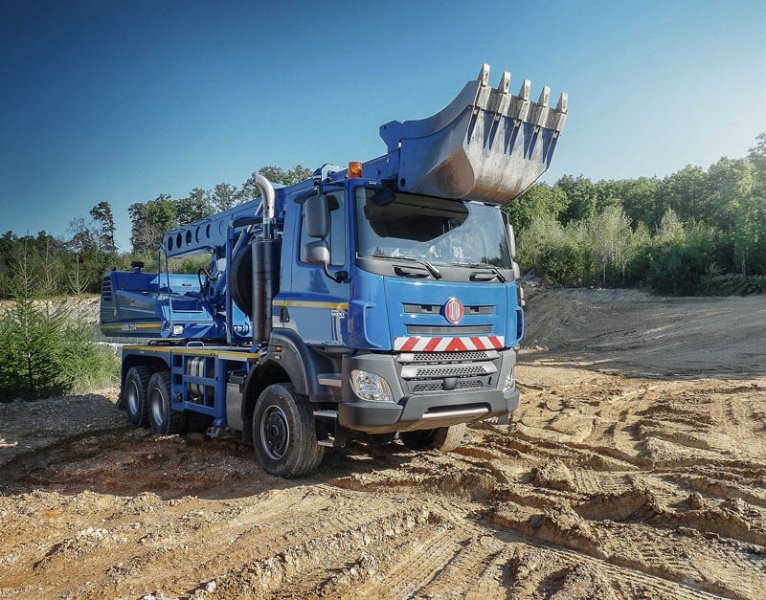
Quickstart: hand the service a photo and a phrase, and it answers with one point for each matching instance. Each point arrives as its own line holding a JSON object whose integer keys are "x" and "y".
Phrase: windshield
{"x": 433, "y": 229}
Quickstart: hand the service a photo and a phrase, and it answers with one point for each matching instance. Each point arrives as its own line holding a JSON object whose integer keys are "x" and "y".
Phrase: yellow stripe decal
{"x": 312, "y": 304}
{"x": 127, "y": 326}
{"x": 242, "y": 356}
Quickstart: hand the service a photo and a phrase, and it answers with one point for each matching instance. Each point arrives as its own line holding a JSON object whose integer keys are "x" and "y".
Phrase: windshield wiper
{"x": 421, "y": 261}
{"x": 481, "y": 265}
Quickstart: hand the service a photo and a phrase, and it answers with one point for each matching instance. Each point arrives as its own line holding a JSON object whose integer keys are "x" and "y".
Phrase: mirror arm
{"x": 338, "y": 277}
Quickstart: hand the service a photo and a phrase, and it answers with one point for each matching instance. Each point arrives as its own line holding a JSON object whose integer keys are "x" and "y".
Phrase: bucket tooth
{"x": 505, "y": 83}
{"x": 557, "y": 117}
{"x": 501, "y": 99}
{"x": 484, "y": 74}
{"x": 483, "y": 94}
{"x": 526, "y": 86}
{"x": 545, "y": 96}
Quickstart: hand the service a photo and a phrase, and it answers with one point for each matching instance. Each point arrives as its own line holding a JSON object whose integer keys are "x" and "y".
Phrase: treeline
{"x": 696, "y": 231}
{"x": 76, "y": 263}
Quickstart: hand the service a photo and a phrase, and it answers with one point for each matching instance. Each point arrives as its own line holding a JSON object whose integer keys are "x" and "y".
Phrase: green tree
{"x": 149, "y": 222}
{"x": 84, "y": 236}
{"x": 537, "y": 202}
{"x": 581, "y": 195}
{"x": 102, "y": 214}
{"x": 225, "y": 196}
{"x": 639, "y": 201}
{"x": 609, "y": 241}
{"x": 195, "y": 206}
{"x": 687, "y": 193}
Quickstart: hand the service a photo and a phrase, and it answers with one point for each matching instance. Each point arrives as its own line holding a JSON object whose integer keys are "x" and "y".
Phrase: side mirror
{"x": 511, "y": 240}
{"x": 316, "y": 211}
{"x": 318, "y": 253}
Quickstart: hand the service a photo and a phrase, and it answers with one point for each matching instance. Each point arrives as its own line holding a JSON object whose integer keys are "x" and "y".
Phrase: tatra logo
{"x": 453, "y": 310}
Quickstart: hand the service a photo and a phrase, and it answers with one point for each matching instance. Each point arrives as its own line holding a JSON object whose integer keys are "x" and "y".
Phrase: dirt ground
{"x": 635, "y": 468}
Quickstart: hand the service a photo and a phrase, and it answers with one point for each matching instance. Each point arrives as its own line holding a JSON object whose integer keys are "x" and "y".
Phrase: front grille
{"x": 412, "y": 371}
{"x": 440, "y": 357}
{"x": 106, "y": 289}
{"x": 449, "y": 329}
{"x": 435, "y": 309}
{"x": 427, "y": 372}
{"x": 434, "y": 386}
{"x": 469, "y": 385}
{"x": 438, "y": 386}
{"x": 456, "y": 371}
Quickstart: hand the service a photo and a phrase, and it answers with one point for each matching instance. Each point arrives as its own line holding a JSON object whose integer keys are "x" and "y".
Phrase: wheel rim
{"x": 133, "y": 398}
{"x": 275, "y": 433}
{"x": 158, "y": 409}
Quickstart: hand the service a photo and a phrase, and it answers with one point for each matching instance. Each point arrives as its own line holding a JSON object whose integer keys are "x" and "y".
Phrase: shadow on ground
{"x": 95, "y": 449}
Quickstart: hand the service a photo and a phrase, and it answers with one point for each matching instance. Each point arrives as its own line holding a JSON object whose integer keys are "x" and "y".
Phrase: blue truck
{"x": 379, "y": 301}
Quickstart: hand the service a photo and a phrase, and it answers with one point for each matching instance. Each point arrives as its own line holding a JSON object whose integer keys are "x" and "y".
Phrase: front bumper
{"x": 420, "y": 411}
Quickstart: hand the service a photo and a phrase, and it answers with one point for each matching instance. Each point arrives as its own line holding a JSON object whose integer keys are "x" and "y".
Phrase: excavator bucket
{"x": 487, "y": 144}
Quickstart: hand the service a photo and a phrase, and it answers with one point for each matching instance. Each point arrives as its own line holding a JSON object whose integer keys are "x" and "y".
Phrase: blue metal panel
{"x": 216, "y": 370}
{"x": 219, "y": 413}
{"x": 515, "y": 316}
{"x": 399, "y": 291}
{"x": 317, "y": 306}
{"x": 368, "y": 313}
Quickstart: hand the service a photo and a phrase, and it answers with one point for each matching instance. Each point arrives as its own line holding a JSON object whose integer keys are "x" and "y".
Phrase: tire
{"x": 163, "y": 419}
{"x": 136, "y": 395}
{"x": 242, "y": 280}
{"x": 445, "y": 439}
{"x": 284, "y": 433}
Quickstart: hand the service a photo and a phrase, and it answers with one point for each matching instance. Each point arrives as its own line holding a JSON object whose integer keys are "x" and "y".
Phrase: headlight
{"x": 370, "y": 386}
{"x": 509, "y": 385}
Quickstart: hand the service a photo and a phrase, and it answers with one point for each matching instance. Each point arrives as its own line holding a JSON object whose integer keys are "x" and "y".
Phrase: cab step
{"x": 330, "y": 379}
{"x": 335, "y": 435}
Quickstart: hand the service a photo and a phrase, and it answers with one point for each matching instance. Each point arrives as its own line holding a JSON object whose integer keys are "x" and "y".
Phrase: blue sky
{"x": 121, "y": 101}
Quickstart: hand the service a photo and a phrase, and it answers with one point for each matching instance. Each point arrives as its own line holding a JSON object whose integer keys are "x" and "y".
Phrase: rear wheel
{"x": 164, "y": 420}
{"x": 284, "y": 433}
{"x": 445, "y": 439}
{"x": 136, "y": 396}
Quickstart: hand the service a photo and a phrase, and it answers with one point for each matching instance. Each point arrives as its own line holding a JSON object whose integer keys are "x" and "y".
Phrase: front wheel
{"x": 284, "y": 433}
{"x": 445, "y": 439}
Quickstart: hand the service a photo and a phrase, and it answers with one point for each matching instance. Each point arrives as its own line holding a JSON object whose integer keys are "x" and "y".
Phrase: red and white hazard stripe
{"x": 448, "y": 344}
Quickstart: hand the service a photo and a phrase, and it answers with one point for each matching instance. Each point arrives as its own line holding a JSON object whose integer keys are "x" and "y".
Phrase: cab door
{"x": 317, "y": 305}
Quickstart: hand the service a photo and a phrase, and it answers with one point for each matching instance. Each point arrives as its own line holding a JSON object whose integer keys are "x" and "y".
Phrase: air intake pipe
{"x": 265, "y": 266}
{"x": 267, "y": 191}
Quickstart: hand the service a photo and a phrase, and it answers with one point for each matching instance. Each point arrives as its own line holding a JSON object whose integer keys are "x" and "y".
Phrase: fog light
{"x": 370, "y": 386}
{"x": 509, "y": 385}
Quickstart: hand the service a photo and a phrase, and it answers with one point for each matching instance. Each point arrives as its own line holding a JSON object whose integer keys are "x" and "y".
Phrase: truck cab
{"x": 419, "y": 309}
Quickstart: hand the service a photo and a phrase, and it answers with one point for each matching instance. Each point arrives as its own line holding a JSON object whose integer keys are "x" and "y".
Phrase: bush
{"x": 732, "y": 284}
{"x": 44, "y": 350}
{"x": 671, "y": 273}
{"x": 566, "y": 264}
